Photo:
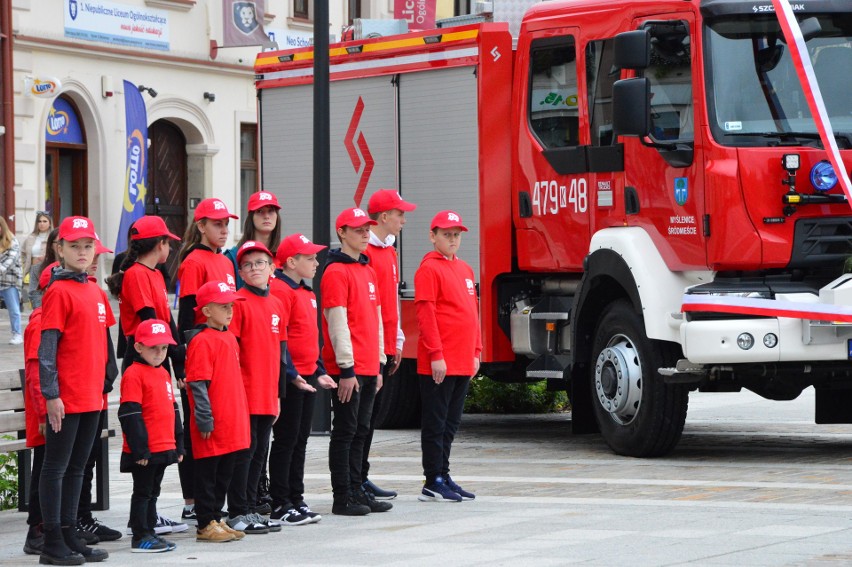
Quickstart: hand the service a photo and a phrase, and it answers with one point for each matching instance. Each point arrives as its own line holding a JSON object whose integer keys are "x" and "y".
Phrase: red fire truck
{"x": 651, "y": 208}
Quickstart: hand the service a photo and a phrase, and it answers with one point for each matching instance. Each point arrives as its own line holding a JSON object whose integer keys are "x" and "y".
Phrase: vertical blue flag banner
{"x": 136, "y": 173}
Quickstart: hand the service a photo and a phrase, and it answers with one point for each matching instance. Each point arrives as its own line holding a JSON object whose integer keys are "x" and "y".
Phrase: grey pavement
{"x": 752, "y": 482}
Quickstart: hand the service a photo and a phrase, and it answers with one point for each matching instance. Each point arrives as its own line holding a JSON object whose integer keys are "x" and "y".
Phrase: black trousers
{"x": 349, "y": 428}
{"x": 34, "y": 505}
{"x": 186, "y": 468}
{"x": 143, "y": 502}
{"x": 289, "y": 440}
{"x": 442, "y": 406}
{"x": 212, "y": 478}
{"x": 65, "y": 455}
{"x": 84, "y": 510}
{"x": 242, "y": 494}
{"x": 368, "y": 441}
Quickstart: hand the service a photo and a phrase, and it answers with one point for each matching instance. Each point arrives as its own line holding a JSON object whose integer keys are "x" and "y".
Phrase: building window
{"x": 301, "y": 9}
{"x": 248, "y": 164}
{"x": 355, "y": 11}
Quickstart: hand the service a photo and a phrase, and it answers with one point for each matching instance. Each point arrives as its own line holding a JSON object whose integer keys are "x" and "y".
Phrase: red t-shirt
{"x": 142, "y": 287}
{"x": 302, "y": 330}
{"x": 447, "y": 315}
{"x": 34, "y": 405}
{"x": 202, "y": 265}
{"x": 214, "y": 356}
{"x": 385, "y": 264}
{"x": 152, "y": 389}
{"x": 81, "y": 312}
{"x": 260, "y": 325}
{"x": 353, "y": 286}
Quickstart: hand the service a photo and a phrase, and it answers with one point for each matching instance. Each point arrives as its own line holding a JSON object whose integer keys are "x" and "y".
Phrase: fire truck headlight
{"x": 770, "y": 340}
{"x": 823, "y": 176}
{"x": 745, "y": 341}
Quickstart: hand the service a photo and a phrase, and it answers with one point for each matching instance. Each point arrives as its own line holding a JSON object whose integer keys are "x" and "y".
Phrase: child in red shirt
{"x": 354, "y": 353}
{"x": 298, "y": 259}
{"x": 201, "y": 261}
{"x": 388, "y": 210}
{"x": 259, "y": 325}
{"x": 152, "y": 431}
{"x": 73, "y": 380}
{"x": 447, "y": 352}
{"x": 219, "y": 415}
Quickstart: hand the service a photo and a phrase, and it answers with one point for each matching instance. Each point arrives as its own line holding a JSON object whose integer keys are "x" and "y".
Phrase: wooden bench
{"x": 13, "y": 423}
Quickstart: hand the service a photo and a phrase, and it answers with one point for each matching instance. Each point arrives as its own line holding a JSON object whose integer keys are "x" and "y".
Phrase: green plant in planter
{"x": 487, "y": 396}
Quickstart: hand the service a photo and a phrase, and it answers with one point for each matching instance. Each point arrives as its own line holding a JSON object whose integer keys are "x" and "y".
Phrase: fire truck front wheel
{"x": 638, "y": 414}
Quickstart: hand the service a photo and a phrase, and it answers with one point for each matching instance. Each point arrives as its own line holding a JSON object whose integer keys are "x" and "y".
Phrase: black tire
{"x": 399, "y": 406}
{"x": 645, "y": 416}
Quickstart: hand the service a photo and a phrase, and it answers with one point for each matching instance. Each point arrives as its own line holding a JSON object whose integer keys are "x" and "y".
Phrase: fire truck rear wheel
{"x": 399, "y": 404}
{"x": 639, "y": 415}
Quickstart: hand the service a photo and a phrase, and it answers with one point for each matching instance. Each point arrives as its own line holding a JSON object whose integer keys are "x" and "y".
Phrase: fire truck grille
{"x": 821, "y": 241}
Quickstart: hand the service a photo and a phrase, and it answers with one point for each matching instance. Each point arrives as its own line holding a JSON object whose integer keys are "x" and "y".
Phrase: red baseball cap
{"x": 262, "y": 199}
{"x": 448, "y": 219}
{"x": 44, "y": 277}
{"x": 251, "y": 246}
{"x": 388, "y": 199}
{"x": 294, "y": 245}
{"x": 75, "y": 228}
{"x": 215, "y": 292}
{"x": 99, "y": 246}
{"x": 353, "y": 217}
{"x": 154, "y": 332}
{"x": 212, "y": 209}
{"x": 150, "y": 226}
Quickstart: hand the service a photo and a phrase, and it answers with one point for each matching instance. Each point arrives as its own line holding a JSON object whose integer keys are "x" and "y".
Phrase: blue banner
{"x": 63, "y": 126}
{"x": 136, "y": 174}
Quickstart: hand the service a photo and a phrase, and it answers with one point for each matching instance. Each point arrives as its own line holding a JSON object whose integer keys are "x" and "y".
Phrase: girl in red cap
{"x": 75, "y": 312}
{"x": 201, "y": 261}
{"x": 262, "y": 224}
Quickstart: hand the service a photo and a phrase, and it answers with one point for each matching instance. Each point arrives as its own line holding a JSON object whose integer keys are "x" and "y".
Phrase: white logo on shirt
{"x": 80, "y": 223}
{"x": 471, "y": 289}
{"x": 275, "y": 320}
{"x": 453, "y": 217}
{"x": 101, "y": 313}
{"x": 219, "y": 206}
{"x": 158, "y": 329}
{"x": 169, "y": 390}
{"x": 232, "y": 285}
{"x": 313, "y": 303}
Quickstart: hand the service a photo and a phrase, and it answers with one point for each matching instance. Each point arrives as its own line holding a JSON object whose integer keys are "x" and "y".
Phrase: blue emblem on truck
{"x": 681, "y": 190}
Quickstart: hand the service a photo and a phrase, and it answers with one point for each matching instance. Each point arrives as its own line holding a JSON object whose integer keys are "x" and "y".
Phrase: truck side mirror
{"x": 633, "y": 49}
{"x": 631, "y": 107}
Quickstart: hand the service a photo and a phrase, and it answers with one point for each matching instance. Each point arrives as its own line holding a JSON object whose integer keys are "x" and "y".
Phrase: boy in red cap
{"x": 259, "y": 323}
{"x": 447, "y": 352}
{"x": 297, "y": 256}
{"x": 201, "y": 261}
{"x": 73, "y": 380}
{"x": 354, "y": 353}
{"x": 219, "y": 416}
{"x": 152, "y": 431}
{"x": 387, "y": 208}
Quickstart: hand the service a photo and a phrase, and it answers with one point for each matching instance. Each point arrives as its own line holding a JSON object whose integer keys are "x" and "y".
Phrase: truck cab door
{"x": 664, "y": 182}
{"x": 551, "y": 182}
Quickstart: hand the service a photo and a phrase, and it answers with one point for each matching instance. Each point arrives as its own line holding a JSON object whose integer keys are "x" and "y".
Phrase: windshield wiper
{"x": 844, "y": 140}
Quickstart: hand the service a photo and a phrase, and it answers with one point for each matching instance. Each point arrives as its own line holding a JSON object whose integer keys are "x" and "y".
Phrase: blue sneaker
{"x": 439, "y": 491}
{"x": 459, "y": 490}
{"x": 379, "y": 493}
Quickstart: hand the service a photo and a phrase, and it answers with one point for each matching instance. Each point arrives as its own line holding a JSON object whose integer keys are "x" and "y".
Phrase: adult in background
{"x": 11, "y": 278}
{"x": 32, "y": 255}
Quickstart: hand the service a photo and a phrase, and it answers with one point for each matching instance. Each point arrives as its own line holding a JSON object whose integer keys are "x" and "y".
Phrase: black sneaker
{"x": 172, "y": 545}
{"x": 366, "y": 497}
{"x": 149, "y": 544}
{"x": 188, "y": 514}
{"x": 288, "y": 517}
{"x": 34, "y": 544}
{"x": 379, "y": 493}
{"x": 349, "y": 507}
{"x": 263, "y": 508}
{"x": 77, "y": 545}
{"x": 459, "y": 490}
{"x": 306, "y": 511}
{"x": 91, "y": 525}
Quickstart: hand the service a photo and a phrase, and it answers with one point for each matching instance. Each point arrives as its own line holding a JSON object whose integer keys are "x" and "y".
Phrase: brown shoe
{"x": 228, "y": 529}
{"x": 213, "y": 533}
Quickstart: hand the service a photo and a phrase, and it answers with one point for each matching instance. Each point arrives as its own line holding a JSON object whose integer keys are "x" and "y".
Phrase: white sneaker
{"x": 16, "y": 340}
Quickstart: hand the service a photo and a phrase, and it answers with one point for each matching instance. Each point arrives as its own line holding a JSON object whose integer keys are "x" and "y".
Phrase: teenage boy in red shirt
{"x": 354, "y": 353}
{"x": 297, "y": 256}
{"x": 259, "y": 325}
{"x": 152, "y": 430}
{"x": 447, "y": 352}
{"x": 388, "y": 209}
{"x": 219, "y": 415}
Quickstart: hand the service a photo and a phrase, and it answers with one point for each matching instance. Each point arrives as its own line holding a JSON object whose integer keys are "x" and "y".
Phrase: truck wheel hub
{"x": 618, "y": 379}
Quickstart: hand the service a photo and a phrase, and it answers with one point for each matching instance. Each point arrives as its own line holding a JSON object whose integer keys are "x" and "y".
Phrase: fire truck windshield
{"x": 754, "y": 95}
